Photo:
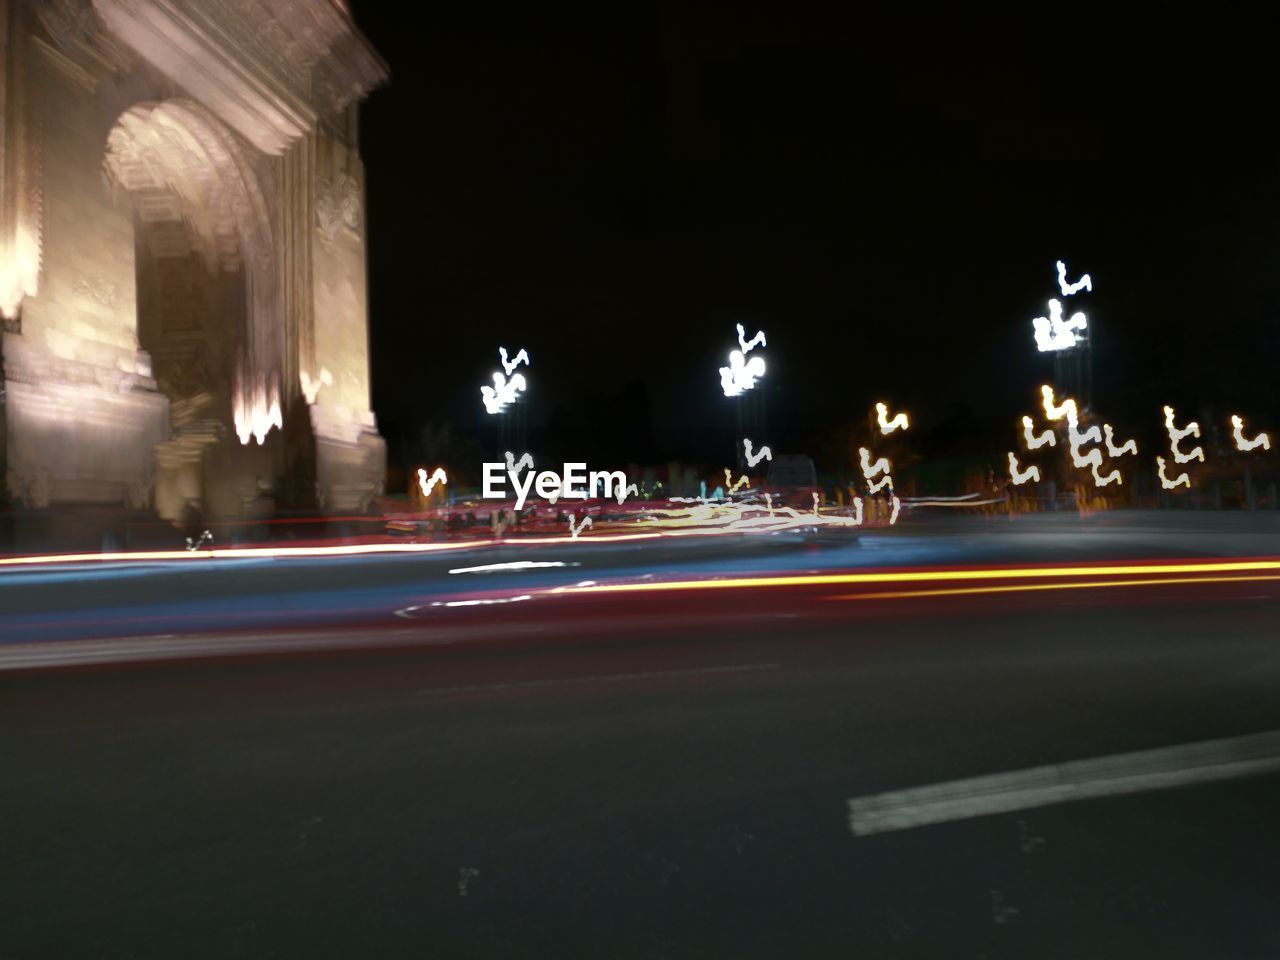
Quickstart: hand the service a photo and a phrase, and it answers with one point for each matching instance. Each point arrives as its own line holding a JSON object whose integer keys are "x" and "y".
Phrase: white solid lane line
{"x": 1160, "y": 769}
{"x": 602, "y": 678}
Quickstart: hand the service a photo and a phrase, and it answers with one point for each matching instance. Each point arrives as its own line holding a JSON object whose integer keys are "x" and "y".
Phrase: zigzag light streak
{"x": 1091, "y": 459}
{"x": 815, "y": 504}
{"x": 1054, "y": 411}
{"x": 426, "y": 484}
{"x": 877, "y": 486}
{"x": 516, "y": 466}
{"x": 729, "y": 483}
{"x": 1054, "y": 333}
{"x": 870, "y": 469}
{"x": 509, "y": 366}
{"x": 1034, "y": 442}
{"x": 1032, "y": 472}
{"x": 741, "y": 374}
{"x": 749, "y": 345}
{"x": 502, "y": 392}
{"x": 1176, "y": 436}
{"x": 624, "y": 492}
{"x": 764, "y": 454}
{"x": 1112, "y": 477}
{"x": 1182, "y": 480}
{"x": 1261, "y": 440}
{"x": 1129, "y": 446}
{"x": 893, "y": 517}
{"x": 899, "y": 422}
{"x": 582, "y": 525}
{"x": 1084, "y": 283}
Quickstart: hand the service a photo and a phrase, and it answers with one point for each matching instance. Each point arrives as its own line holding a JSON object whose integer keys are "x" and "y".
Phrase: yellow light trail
{"x": 1018, "y": 588}
{"x": 942, "y": 576}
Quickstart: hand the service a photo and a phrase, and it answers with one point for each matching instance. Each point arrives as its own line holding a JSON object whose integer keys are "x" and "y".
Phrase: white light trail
{"x": 899, "y": 422}
{"x": 624, "y": 492}
{"x": 1034, "y": 442}
{"x": 857, "y": 511}
{"x": 427, "y": 484}
{"x": 815, "y": 504}
{"x": 893, "y": 517}
{"x": 749, "y": 345}
{"x": 1129, "y": 446}
{"x": 1084, "y": 283}
{"x": 870, "y": 469}
{"x": 764, "y": 454}
{"x": 878, "y": 485}
{"x": 1261, "y": 440}
{"x": 516, "y": 467}
{"x": 311, "y": 388}
{"x": 1182, "y": 480}
{"x": 515, "y": 565}
{"x": 1054, "y": 411}
{"x": 1176, "y": 436}
{"x": 582, "y": 525}
{"x": 1091, "y": 459}
{"x": 1019, "y": 477}
{"x": 741, "y": 374}
{"x": 1054, "y": 333}
{"x": 466, "y": 603}
{"x": 1112, "y": 477}
{"x": 1092, "y": 435}
{"x": 509, "y": 366}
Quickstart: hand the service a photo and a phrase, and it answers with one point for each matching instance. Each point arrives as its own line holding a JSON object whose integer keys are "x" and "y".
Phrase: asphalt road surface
{"x": 669, "y": 774}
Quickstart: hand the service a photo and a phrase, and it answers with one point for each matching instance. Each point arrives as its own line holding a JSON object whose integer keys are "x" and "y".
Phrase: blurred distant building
{"x": 182, "y": 255}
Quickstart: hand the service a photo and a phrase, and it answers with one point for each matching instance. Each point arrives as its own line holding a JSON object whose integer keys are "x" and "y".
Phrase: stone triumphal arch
{"x": 182, "y": 256}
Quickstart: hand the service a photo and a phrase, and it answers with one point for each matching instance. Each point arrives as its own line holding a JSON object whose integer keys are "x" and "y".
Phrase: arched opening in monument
{"x": 207, "y": 305}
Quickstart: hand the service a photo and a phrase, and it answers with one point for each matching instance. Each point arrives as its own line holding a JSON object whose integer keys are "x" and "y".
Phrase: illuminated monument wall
{"x": 182, "y": 260}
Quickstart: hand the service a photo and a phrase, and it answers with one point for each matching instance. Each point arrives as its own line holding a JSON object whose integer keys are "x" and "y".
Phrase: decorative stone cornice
{"x": 269, "y": 68}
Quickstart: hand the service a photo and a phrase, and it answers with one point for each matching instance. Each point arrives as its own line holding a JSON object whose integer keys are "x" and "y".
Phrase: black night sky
{"x": 886, "y": 200}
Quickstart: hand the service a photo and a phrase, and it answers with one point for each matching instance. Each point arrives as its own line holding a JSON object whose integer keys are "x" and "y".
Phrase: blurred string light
{"x": 1177, "y": 435}
{"x": 729, "y": 483}
{"x": 1036, "y": 442}
{"x": 741, "y": 374}
{"x": 1182, "y": 480}
{"x": 1129, "y": 446}
{"x": 1084, "y": 283}
{"x": 510, "y": 365}
{"x": 899, "y": 422}
{"x": 1112, "y": 477}
{"x": 427, "y": 483}
{"x": 503, "y": 392}
{"x": 749, "y": 345}
{"x": 872, "y": 470}
{"x": 1054, "y": 411}
{"x": 515, "y": 467}
{"x": 1054, "y": 333}
{"x": 1237, "y": 431}
{"x": 764, "y": 454}
{"x": 1019, "y": 477}
{"x": 583, "y": 524}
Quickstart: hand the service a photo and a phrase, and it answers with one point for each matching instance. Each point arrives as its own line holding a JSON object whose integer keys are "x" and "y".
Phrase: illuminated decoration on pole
{"x": 1129, "y": 446}
{"x": 1112, "y": 477}
{"x": 752, "y": 459}
{"x": 749, "y": 345}
{"x": 427, "y": 484}
{"x": 510, "y": 365}
{"x": 582, "y": 525}
{"x": 1032, "y": 472}
{"x": 1054, "y": 333}
{"x": 1261, "y": 440}
{"x": 1176, "y": 436}
{"x": 741, "y": 374}
{"x": 899, "y": 422}
{"x": 1182, "y": 480}
{"x": 1084, "y": 283}
{"x": 1034, "y": 442}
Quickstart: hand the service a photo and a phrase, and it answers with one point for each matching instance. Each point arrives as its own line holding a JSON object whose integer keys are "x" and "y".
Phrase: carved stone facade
{"x": 182, "y": 255}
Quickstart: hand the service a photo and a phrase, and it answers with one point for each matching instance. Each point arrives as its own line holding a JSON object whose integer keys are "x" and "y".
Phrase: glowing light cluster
{"x": 507, "y": 384}
{"x": 257, "y": 414}
{"x": 1177, "y": 435}
{"x": 1053, "y": 333}
{"x": 872, "y": 470}
{"x": 1237, "y": 432}
{"x": 899, "y": 422}
{"x": 741, "y": 374}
